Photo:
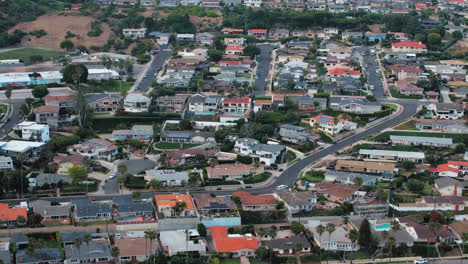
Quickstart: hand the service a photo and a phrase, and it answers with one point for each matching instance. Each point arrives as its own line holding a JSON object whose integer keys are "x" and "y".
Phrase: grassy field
{"x": 26, "y": 53}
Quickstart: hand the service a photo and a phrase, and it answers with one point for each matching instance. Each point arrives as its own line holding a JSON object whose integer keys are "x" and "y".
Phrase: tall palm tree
{"x": 115, "y": 252}
{"x": 273, "y": 232}
{"x": 78, "y": 243}
{"x": 391, "y": 243}
{"x": 87, "y": 239}
{"x": 330, "y": 229}
{"x": 320, "y": 230}
{"x": 151, "y": 235}
{"x": 212, "y": 163}
{"x": 13, "y": 249}
{"x": 21, "y": 159}
{"x": 8, "y": 92}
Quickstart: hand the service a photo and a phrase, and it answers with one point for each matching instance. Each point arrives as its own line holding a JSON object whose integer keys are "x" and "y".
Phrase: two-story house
{"x": 296, "y": 202}
{"x": 104, "y": 102}
{"x": 330, "y": 125}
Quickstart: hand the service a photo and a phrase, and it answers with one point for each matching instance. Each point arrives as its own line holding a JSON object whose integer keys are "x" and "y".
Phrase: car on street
{"x": 371, "y": 87}
{"x": 420, "y": 261}
{"x": 112, "y": 175}
{"x": 281, "y": 187}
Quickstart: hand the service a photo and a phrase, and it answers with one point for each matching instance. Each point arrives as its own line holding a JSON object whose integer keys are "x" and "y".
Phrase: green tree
{"x": 75, "y": 73}
{"x": 320, "y": 229}
{"x": 180, "y": 207}
{"x": 252, "y": 51}
{"x": 87, "y": 239}
{"x": 8, "y": 91}
{"x": 78, "y": 243}
{"x": 154, "y": 185}
{"x": 122, "y": 169}
{"x": 115, "y": 252}
{"x": 365, "y": 234}
{"x": 21, "y": 158}
{"x": 420, "y": 37}
{"x": 40, "y": 91}
{"x": 330, "y": 229}
{"x": 201, "y": 228}
{"x": 67, "y": 45}
{"x": 151, "y": 236}
{"x": 185, "y": 124}
{"x": 77, "y": 173}
{"x": 107, "y": 62}
{"x": 358, "y": 181}
{"x": 415, "y": 185}
{"x": 12, "y": 248}
{"x": 434, "y": 38}
{"x": 215, "y": 55}
{"x": 407, "y": 164}
{"x": 297, "y": 228}
{"x": 457, "y": 35}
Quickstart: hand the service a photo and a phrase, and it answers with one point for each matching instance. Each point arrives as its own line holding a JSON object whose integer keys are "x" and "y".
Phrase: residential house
{"x": 205, "y": 38}
{"x": 295, "y": 134}
{"x": 232, "y": 31}
{"x": 252, "y": 3}
{"x": 328, "y": 125}
{"x": 336, "y": 241}
{"x": 13, "y": 148}
{"x": 422, "y": 233}
{"x": 232, "y": 2}
{"x": 234, "y": 50}
{"x": 336, "y": 192}
{"x": 65, "y": 162}
{"x": 350, "y": 36}
{"x": 176, "y": 242}
{"x": 274, "y": 5}
{"x": 9, "y": 216}
{"x": 136, "y": 103}
{"x": 405, "y": 72}
{"x": 365, "y": 166}
{"x": 167, "y": 177}
{"x": 448, "y": 110}
{"x": 306, "y": 103}
{"x": 171, "y": 103}
{"x": 448, "y": 186}
{"x": 462, "y": 92}
{"x": 344, "y": 72}
{"x": 47, "y": 115}
{"x": 375, "y": 36}
{"x": 33, "y": 131}
{"x": 392, "y": 155}
{"x": 94, "y": 148}
{"x": 125, "y": 206}
{"x": 461, "y": 165}
{"x": 185, "y": 37}
{"x": 296, "y": 202}
{"x": 188, "y": 156}
{"x": 49, "y": 212}
{"x": 261, "y": 202}
{"x": 186, "y": 137}
{"x": 135, "y": 249}
{"x": 203, "y": 104}
{"x": 161, "y": 38}
{"x": 235, "y": 41}
{"x": 328, "y": 33}
{"x": 266, "y": 153}
{"x": 211, "y": 3}
{"x": 421, "y": 141}
{"x": 409, "y": 46}
{"x": 446, "y": 126}
{"x": 104, "y": 102}
{"x": 232, "y": 172}
{"x": 134, "y": 33}
{"x": 370, "y": 207}
{"x": 236, "y": 105}
{"x": 350, "y": 177}
{"x": 84, "y": 210}
{"x": 303, "y": 33}
{"x": 39, "y": 255}
{"x": 459, "y": 229}
{"x": 50, "y": 179}
{"x": 216, "y": 211}
{"x": 278, "y": 34}
{"x": 60, "y": 101}
{"x": 96, "y": 252}
{"x": 233, "y": 245}
{"x": 6, "y": 163}
{"x": 445, "y": 170}
{"x": 290, "y": 245}
{"x": 258, "y": 33}
{"x": 406, "y": 88}
{"x": 431, "y": 203}
{"x": 354, "y": 105}
{"x": 137, "y": 132}
{"x": 168, "y": 205}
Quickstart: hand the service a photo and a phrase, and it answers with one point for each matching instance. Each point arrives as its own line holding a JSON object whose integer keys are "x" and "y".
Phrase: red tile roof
{"x": 241, "y": 100}
{"x": 11, "y": 214}
{"x": 234, "y": 48}
{"x": 341, "y": 71}
{"x": 171, "y": 200}
{"x": 443, "y": 168}
{"x": 413, "y": 44}
{"x": 226, "y": 243}
{"x": 260, "y": 31}
{"x": 59, "y": 98}
{"x": 249, "y": 199}
{"x": 458, "y": 163}
{"x": 46, "y": 109}
{"x": 76, "y": 159}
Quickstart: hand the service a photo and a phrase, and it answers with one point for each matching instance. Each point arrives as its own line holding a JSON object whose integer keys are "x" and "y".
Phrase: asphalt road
{"x": 157, "y": 63}
{"x": 263, "y": 68}
{"x": 15, "y": 117}
{"x": 372, "y": 76}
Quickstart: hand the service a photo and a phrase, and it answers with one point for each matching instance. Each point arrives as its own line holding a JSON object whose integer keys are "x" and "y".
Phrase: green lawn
{"x": 26, "y": 53}
{"x": 3, "y": 108}
{"x": 110, "y": 86}
{"x": 258, "y": 178}
{"x": 165, "y": 145}
{"x": 53, "y": 224}
{"x": 310, "y": 258}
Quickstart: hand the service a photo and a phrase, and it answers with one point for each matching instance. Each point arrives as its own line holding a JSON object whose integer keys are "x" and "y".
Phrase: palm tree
{"x": 330, "y": 229}
{"x": 86, "y": 239}
{"x": 385, "y": 236}
{"x": 212, "y": 163}
{"x": 122, "y": 169}
{"x": 320, "y": 230}
{"x": 346, "y": 220}
{"x": 78, "y": 243}
{"x": 121, "y": 181}
{"x": 261, "y": 232}
{"x": 154, "y": 185}
{"x": 115, "y": 252}
{"x": 151, "y": 235}
{"x": 391, "y": 243}
{"x": 20, "y": 158}
{"x": 8, "y": 92}
{"x": 353, "y": 236}
{"x": 13, "y": 249}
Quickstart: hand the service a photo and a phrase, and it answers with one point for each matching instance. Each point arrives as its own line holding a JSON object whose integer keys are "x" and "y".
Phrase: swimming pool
{"x": 382, "y": 227}
{"x": 127, "y": 219}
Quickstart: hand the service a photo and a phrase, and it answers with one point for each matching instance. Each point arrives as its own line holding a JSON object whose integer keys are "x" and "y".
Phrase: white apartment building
{"x": 34, "y": 132}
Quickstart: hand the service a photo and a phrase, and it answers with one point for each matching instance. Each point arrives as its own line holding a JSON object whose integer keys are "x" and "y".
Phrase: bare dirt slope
{"x": 56, "y": 27}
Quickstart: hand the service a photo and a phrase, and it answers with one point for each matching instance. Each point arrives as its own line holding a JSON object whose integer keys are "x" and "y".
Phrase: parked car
{"x": 420, "y": 261}
{"x": 281, "y": 187}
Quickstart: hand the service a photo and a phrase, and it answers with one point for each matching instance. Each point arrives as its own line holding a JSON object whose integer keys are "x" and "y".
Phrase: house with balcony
{"x": 168, "y": 177}
{"x": 449, "y": 111}
{"x": 171, "y": 103}
{"x": 267, "y": 153}
{"x": 296, "y": 202}
{"x": 137, "y": 132}
{"x": 30, "y": 150}
{"x": 33, "y": 131}
{"x": 104, "y": 102}
{"x": 175, "y": 205}
{"x": 48, "y": 115}
{"x": 236, "y": 105}
{"x": 136, "y": 103}
{"x": 258, "y": 33}
{"x": 336, "y": 241}
{"x": 378, "y": 154}
{"x": 60, "y": 101}
{"x": 354, "y": 105}
{"x": 200, "y": 104}
{"x": 330, "y": 125}
{"x": 85, "y": 210}
{"x": 95, "y": 148}
{"x": 216, "y": 211}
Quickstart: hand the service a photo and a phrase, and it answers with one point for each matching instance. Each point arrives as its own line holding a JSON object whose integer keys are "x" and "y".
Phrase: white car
{"x": 281, "y": 187}
{"x": 420, "y": 261}
{"x": 112, "y": 175}
{"x": 423, "y": 100}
